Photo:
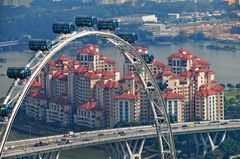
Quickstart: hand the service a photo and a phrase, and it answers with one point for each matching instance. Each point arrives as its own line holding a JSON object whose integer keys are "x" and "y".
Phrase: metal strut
{"x": 158, "y": 106}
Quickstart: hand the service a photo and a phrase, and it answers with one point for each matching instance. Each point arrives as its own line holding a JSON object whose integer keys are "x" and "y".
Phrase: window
{"x": 126, "y": 111}
{"x": 175, "y": 107}
{"x": 120, "y": 111}
{"x": 170, "y": 107}
{"x": 174, "y": 62}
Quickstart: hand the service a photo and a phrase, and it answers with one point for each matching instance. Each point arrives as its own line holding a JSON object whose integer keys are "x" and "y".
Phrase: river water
{"x": 226, "y": 64}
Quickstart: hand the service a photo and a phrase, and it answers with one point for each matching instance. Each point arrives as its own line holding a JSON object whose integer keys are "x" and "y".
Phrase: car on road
{"x": 141, "y": 130}
{"x": 66, "y": 135}
{"x": 197, "y": 122}
{"x": 121, "y": 133}
{"x": 184, "y": 126}
{"x": 40, "y": 143}
{"x": 217, "y": 122}
{"x": 235, "y": 120}
{"x": 8, "y": 148}
{"x": 190, "y": 125}
{"x": 224, "y": 123}
{"x": 101, "y": 134}
{"x": 72, "y": 134}
{"x": 174, "y": 127}
{"x": 64, "y": 141}
{"x": 86, "y": 139}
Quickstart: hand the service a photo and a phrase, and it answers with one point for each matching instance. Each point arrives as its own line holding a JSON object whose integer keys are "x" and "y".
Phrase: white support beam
{"x": 57, "y": 155}
{"x": 213, "y": 147}
{"x": 204, "y": 141}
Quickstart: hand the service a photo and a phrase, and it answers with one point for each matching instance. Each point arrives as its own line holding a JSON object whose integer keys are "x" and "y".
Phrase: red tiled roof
{"x": 205, "y": 70}
{"x": 202, "y": 62}
{"x": 214, "y": 81}
{"x": 37, "y": 94}
{"x": 90, "y": 45}
{"x": 36, "y": 84}
{"x": 51, "y": 62}
{"x": 138, "y": 47}
{"x": 106, "y": 74}
{"x": 59, "y": 75}
{"x": 182, "y": 49}
{"x": 172, "y": 95}
{"x": 206, "y": 92}
{"x": 144, "y": 49}
{"x": 182, "y": 54}
{"x": 195, "y": 57}
{"x": 80, "y": 69}
{"x": 91, "y": 75}
{"x": 158, "y": 63}
{"x": 111, "y": 84}
{"x": 129, "y": 76}
{"x": 218, "y": 88}
{"x": 63, "y": 57}
{"x": 168, "y": 73}
{"x": 141, "y": 49}
{"x": 167, "y": 68}
{"x": 88, "y": 51}
{"x": 74, "y": 62}
{"x": 108, "y": 60}
{"x": 187, "y": 74}
{"x": 89, "y": 105}
{"x": 126, "y": 96}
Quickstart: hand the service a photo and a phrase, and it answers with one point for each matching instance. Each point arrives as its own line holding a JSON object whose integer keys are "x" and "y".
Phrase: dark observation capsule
{"x": 85, "y": 21}
{"x": 5, "y": 110}
{"x": 107, "y": 24}
{"x": 40, "y": 45}
{"x": 129, "y": 37}
{"x": 148, "y": 58}
{"x": 163, "y": 86}
{"x": 18, "y": 72}
{"x": 63, "y": 28}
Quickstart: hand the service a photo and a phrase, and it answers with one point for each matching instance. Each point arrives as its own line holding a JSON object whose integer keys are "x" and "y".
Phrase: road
{"x": 84, "y": 139}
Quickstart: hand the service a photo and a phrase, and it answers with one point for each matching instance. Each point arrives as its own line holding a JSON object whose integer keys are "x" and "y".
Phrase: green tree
{"x": 223, "y": 85}
{"x": 238, "y": 86}
{"x": 230, "y": 86}
{"x": 181, "y": 37}
{"x": 238, "y": 96}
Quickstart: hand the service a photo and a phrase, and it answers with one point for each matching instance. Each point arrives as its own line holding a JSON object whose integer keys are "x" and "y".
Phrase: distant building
{"x": 89, "y": 115}
{"x": 59, "y": 111}
{"x": 15, "y": 3}
{"x": 111, "y": 1}
{"x": 187, "y": 76}
{"x": 138, "y": 18}
{"x": 105, "y": 91}
{"x": 175, "y": 106}
{"x": 173, "y": 15}
{"x": 126, "y": 108}
{"x": 155, "y": 28}
{"x": 36, "y": 105}
{"x": 90, "y": 92}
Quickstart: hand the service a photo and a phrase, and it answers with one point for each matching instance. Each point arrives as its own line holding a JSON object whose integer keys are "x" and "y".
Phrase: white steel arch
{"x": 20, "y": 87}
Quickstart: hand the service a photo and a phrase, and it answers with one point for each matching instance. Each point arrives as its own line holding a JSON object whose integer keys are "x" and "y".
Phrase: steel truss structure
{"x": 19, "y": 88}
